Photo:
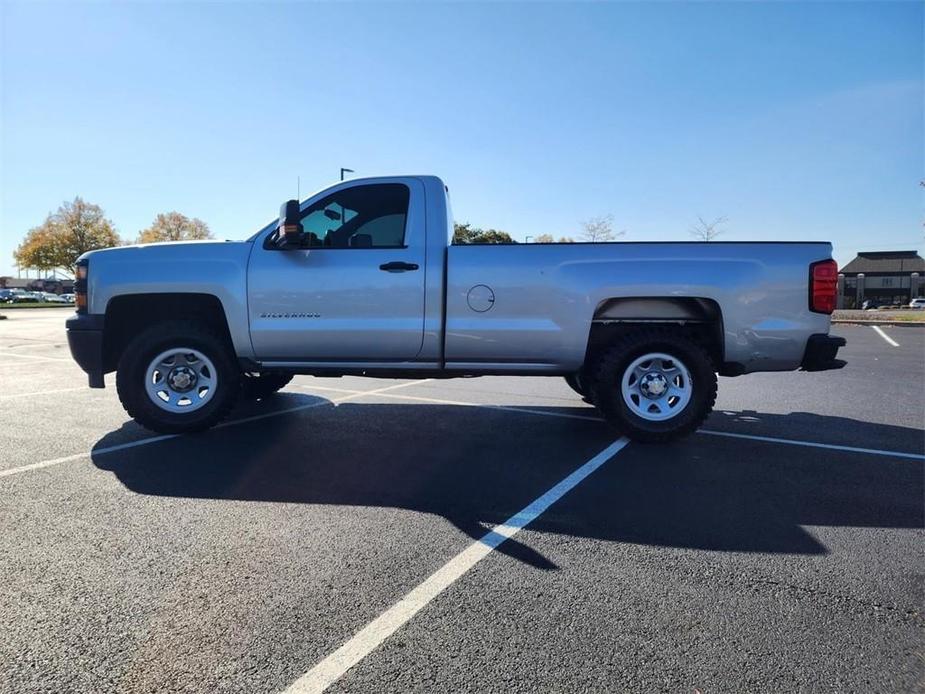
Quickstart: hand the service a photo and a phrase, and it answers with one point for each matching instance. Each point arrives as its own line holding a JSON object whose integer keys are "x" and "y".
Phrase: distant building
{"x": 57, "y": 285}
{"x": 888, "y": 277}
{"x": 53, "y": 285}
{"x": 7, "y": 282}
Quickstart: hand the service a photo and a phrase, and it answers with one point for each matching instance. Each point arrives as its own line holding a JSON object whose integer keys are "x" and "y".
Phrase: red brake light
{"x": 823, "y": 286}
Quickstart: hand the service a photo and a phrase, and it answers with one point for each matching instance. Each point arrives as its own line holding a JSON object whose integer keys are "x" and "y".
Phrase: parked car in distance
{"x": 361, "y": 279}
{"x": 7, "y": 296}
{"x": 68, "y": 298}
{"x": 52, "y": 298}
{"x": 27, "y": 298}
{"x": 918, "y": 303}
{"x": 870, "y": 305}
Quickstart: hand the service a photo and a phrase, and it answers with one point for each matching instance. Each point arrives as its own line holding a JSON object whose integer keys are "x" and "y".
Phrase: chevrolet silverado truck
{"x": 361, "y": 278}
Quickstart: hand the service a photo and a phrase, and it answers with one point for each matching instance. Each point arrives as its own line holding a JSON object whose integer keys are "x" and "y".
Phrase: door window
{"x": 366, "y": 216}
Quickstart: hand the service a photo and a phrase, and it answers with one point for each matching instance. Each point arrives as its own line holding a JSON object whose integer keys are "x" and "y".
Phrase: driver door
{"x": 354, "y": 288}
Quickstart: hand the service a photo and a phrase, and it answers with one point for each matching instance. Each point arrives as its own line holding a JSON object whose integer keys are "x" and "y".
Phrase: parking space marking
{"x": 505, "y": 408}
{"x": 812, "y": 444}
{"x": 370, "y": 637}
{"x": 884, "y": 335}
{"x": 328, "y": 388}
{"x": 385, "y": 392}
{"x": 41, "y": 393}
{"x": 42, "y": 464}
{"x": 164, "y": 437}
{"x": 40, "y": 341}
{"x": 20, "y": 364}
{"x": 711, "y": 432}
{"x": 11, "y": 353}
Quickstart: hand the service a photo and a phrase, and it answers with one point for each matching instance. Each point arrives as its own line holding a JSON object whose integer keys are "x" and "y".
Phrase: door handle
{"x": 398, "y": 266}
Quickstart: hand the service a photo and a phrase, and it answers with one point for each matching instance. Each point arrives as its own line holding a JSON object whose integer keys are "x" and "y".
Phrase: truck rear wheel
{"x": 177, "y": 377}
{"x": 264, "y": 385}
{"x": 581, "y": 383}
{"x": 575, "y": 383}
{"x": 655, "y": 385}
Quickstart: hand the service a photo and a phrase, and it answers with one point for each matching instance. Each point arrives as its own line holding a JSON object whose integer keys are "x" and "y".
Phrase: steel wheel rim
{"x": 656, "y": 386}
{"x": 180, "y": 380}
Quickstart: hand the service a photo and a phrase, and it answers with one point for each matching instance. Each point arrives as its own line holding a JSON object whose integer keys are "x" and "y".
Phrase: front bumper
{"x": 820, "y": 353}
{"x": 85, "y": 338}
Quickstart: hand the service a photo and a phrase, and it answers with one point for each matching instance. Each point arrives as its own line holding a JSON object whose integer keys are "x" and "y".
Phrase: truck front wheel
{"x": 177, "y": 377}
{"x": 655, "y": 385}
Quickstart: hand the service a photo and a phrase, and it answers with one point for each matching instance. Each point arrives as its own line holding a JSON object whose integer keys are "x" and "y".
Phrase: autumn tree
{"x": 467, "y": 234}
{"x": 565, "y": 239}
{"x": 707, "y": 231}
{"x": 600, "y": 229}
{"x": 545, "y": 238}
{"x": 174, "y": 226}
{"x": 75, "y": 228}
{"x": 40, "y": 249}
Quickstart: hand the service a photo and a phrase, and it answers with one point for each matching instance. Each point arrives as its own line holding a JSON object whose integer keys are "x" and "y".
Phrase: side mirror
{"x": 289, "y": 223}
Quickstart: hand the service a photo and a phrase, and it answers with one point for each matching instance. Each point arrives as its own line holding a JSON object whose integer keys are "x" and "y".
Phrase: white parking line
{"x": 385, "y": 392}
{"x": 504, "y": 408}
{"x": 884, "y": 335}
{"x": 11, "y": 353}
{"x": 21, "y": 364}
{"x": 31, "y": 339}
{"x": 370, "y": 637}
{"x": 42, "y": 393}
{"x": 712, "y": 432}
{"x": 812, "y": 444}
{"x": 155, "y": 439}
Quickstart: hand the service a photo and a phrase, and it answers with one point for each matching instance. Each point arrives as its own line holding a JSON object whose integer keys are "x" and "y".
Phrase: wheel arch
{"x": 700, "y": 318}
{"x": 127, "y": 315}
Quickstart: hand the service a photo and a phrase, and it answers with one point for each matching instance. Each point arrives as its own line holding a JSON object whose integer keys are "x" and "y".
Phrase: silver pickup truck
{"x": 361, "y": 279}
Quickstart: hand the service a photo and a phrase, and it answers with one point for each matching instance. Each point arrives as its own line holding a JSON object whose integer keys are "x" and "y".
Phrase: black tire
{"x": 144, "y": 348}
{"x": 263, "y": 385}
{"x": 614, "y": 362}
{"x": 579, "y": 382}
{"x": 574, "y": 382}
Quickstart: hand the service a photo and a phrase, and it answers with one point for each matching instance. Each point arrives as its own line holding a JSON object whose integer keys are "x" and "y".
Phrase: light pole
{"x": 343, "y": 171}
{"x": 527, "y": 239}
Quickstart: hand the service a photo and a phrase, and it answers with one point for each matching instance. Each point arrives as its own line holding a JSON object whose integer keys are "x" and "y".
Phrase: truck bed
{"x": 543, "y": 298}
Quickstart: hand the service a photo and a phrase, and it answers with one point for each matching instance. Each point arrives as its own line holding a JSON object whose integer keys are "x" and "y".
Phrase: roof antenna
{"x": 298, "y": 188}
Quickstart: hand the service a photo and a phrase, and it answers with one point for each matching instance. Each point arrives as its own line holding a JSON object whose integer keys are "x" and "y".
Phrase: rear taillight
{"x": 80, "y": 286}
{"x": 823, "y": 286}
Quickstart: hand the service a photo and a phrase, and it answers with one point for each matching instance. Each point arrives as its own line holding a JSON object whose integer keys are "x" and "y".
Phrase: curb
{"x": 900, "y": 323}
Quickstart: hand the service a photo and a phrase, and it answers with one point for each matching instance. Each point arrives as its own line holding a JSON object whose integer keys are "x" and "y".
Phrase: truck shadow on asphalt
{"x": 476, "y": 467}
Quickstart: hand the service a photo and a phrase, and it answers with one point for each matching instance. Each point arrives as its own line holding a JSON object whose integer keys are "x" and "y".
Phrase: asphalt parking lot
{"x": 340, "y": 534}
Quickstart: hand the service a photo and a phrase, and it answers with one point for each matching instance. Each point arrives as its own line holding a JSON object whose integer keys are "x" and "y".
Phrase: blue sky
{"x": 794, "y": 120}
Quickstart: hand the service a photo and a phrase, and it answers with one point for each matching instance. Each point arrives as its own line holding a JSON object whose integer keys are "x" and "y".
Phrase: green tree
{"x": 466, "y": 234}
{"x": 174, "y": 226}
{"x": 462, "y": 233}
{"x": 75, "y": 228}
